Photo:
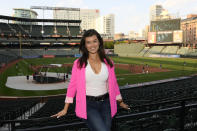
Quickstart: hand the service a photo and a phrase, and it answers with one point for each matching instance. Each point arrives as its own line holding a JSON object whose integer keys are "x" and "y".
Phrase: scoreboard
{"x": 164, "y": 36}
{"x": 165, "y": 31}
{"x": 165, "y": 25}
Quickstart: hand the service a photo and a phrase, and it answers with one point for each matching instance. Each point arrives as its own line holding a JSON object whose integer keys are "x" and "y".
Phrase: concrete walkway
{"x": 21, "y": 83}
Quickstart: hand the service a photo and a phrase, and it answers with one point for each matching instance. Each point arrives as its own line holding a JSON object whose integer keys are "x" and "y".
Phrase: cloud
{"x": 182, "y": 7}
{"x": 70, "y": 3}
{"x": 178, "y": 4}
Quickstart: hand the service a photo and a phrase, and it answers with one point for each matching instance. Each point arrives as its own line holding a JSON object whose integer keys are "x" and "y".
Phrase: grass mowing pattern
{"x": 174, "y": 64}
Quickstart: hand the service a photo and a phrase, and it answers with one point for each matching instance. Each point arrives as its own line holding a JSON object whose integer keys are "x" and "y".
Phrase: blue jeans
{"x": 98, "y": 115}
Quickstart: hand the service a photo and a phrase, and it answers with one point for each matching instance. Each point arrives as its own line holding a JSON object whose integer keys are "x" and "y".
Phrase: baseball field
{"x": 129, "y": 70}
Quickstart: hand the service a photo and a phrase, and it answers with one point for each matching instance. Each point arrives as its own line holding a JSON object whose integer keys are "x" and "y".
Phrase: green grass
{"x": 119, "y": 71}
{"x": 169, "y": 63}
{"x": 174, "y": 64}
{"x": 23, "y": 69}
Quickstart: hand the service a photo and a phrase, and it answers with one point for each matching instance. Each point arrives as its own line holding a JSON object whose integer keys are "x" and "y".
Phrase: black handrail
{"x": 166, "y": 102}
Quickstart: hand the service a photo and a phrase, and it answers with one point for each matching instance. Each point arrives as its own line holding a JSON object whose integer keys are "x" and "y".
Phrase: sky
{"x": 129, "y": 14}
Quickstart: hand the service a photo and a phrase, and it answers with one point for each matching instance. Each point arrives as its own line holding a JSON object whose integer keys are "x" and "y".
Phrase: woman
{"x": 94, "y": 83}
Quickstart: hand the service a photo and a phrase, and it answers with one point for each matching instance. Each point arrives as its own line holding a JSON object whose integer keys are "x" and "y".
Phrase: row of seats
{"x": 139, "y": 50}
{"x": 7, "y": 57}
{"x": 38, "y": 30}
{"x": 11, "y": 109}
{"x": 141, "y": 99}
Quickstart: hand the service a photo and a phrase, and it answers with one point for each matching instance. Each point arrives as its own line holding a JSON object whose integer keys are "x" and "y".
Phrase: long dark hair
{"x": 85, "y": 54}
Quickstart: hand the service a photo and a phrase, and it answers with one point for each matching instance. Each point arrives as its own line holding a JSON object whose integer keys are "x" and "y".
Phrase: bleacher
{"x": 35, "y": 30}
{"x": 5, "y": 29}
{"x": 170, "y": 50}
{"x": 144, "y": 51}
{"x": 153, "y": 50}
{"x": 183, "y": 51}
{"x": 6, "y": 56}
{"x": 132, "y": 49}
{"x": 11, "y": 109}
{"x": 192, "y": 52}
{"x": 151, "y": 100}
{"x": 51, "y": 107}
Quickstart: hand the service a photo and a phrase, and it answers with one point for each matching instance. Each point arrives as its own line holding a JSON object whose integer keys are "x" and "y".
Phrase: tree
{"x": 109, "y": 45}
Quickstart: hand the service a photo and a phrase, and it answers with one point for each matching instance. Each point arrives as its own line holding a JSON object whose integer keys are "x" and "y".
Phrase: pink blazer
{"x": 77, "y": 86}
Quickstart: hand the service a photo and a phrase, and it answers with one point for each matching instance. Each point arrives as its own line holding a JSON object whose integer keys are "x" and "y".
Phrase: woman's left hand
{"x": 125, "y": 106}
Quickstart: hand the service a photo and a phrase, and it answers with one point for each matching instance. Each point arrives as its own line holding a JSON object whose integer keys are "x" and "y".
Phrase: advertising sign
{"x": 151, "y": 37}
{"x": 178, "y": 36}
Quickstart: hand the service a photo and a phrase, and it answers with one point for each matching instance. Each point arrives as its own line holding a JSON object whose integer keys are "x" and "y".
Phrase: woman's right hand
{"x": 60, "y": 114}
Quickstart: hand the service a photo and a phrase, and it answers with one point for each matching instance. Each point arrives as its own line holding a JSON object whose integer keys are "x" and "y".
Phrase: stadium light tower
{"x": 42, "y": 31}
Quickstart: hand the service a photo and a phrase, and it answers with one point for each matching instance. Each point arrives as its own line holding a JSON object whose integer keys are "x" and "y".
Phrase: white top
{"x": 96, "y": 84}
